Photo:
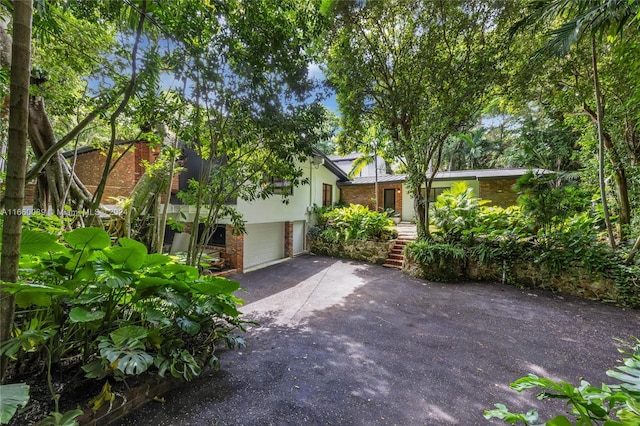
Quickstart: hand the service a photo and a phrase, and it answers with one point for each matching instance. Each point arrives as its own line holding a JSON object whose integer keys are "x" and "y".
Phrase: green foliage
{"x": 441, "y": 261}
{"x": 549, "y": 200}
{"x": 62, "y": 419}
{"x": 355, "y": 222}
{"x": 589, "y": 405}
{"x": 12, "y": 396}
{"x": 118, "y": 309}
{"x": 455, "y": 212}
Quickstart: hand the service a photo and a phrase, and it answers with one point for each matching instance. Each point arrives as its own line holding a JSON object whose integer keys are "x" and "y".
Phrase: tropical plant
{"x": 356, "y": 222}
{"x": 115, "y": 308}
{"x": 610, "y": 404}
{"x": 455, "y": 212}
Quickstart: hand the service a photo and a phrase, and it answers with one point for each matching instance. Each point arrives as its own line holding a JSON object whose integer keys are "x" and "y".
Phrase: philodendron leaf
{"x": 157, "y": 259}
{"x": 128, "y": 332}
{"x": 11, "y": 397}
{"x": 28, "y": 294}
{"x": 60, "y": 419}
{"x": 215, "y": 285}
{"x": 79, "y": 314}
{"x": 559, "y": 421}
{"x": 88, "y": 238}
{"x": 38, "y": 243}
{"x": 188, "y": 326}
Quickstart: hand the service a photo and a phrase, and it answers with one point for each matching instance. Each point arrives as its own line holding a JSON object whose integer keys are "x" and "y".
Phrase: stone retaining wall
{"x": 368, "y": 251}
{"x": 574, "y": 280}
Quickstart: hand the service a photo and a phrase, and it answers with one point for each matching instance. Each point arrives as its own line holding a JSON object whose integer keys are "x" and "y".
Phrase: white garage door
{"x": 263, "y": 243}
{"x": 298, "y": 237}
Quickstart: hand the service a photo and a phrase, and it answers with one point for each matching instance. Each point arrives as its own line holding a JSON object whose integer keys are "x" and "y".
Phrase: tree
{"x": 580, "y": 19}
{"x": 248, "y": 119}
{"x": 420, "y": 68}
{"x": 17, "y": 161}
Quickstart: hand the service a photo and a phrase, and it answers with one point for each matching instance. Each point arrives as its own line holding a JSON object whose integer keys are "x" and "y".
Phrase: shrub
{"x": 114, "y": 308}
{"x": 355, "y": 222}
{"x": 455, "y": 212}
{"x": 440, "y": 262}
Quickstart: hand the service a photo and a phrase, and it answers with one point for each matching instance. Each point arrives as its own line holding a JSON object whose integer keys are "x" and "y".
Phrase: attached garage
{"x": 263, "y": 243}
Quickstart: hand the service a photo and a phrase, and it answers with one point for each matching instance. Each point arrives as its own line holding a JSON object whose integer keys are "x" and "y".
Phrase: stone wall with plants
{"x": 368, "y": 251}
{"x": 352, "y": 232}
{"x": 444, "y": 263}
{"x": 550, "y": 241}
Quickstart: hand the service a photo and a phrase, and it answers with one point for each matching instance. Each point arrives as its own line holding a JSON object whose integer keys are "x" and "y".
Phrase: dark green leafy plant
{"x": 114, "y": 307}
{"x": 610, "y": 405}
{"x": 455, "y": 212}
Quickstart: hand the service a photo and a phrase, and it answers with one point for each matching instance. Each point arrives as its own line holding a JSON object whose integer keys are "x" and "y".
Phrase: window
{"x": 433, "y": 194}
{"x": 327, "y": 194}
{"x": 279, "y": 185}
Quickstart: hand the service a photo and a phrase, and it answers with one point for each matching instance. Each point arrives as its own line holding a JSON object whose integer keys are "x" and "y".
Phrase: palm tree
{"x": 587, "y": 18}
{"x": 373, "y": 147}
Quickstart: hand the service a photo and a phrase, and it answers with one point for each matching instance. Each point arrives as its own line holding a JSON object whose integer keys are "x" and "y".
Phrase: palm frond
{"x": 359, "y": 164}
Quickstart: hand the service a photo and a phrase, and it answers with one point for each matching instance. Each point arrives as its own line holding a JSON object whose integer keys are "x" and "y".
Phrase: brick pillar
{"x": 234, "y": 248}
{"x": 288, "y": 239}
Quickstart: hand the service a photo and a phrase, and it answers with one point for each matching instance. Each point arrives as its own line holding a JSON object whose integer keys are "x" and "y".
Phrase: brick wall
{"x": 234, "y": 252}
{"x": 364, "y": 195}
{"x": 288, "y": 239}
{"x": 499, "y": 192}
{"x": 125, "y": 175}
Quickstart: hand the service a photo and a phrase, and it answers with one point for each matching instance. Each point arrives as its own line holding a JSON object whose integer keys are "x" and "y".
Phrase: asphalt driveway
{"x": 347, "y": 343}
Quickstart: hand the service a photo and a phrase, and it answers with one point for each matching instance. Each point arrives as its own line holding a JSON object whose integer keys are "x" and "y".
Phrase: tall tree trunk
{"x": 601, "y": 140}
{"x": 58, "y": 184}
{"x": 17, "y": 162}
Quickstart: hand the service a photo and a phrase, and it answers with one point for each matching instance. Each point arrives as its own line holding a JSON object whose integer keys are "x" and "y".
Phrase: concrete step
{"x": 389, "y": 265}
{"x": 396, "y": 256}
{"x": 394, "y": 262}
{"x": 397, "y": 251}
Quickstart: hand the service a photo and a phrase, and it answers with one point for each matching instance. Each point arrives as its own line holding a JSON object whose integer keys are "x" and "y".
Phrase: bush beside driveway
{"x": 367, "y": 345}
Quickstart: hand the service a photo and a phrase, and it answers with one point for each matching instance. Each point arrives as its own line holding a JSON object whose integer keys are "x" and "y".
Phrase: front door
{"x": 390, "y": 199}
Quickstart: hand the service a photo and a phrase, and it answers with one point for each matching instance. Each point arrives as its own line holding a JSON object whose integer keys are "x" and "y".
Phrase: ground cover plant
{"x": 90, "y": 310}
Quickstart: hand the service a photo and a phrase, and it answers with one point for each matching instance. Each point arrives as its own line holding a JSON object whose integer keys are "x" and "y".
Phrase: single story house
{"x": 494, "y": 185}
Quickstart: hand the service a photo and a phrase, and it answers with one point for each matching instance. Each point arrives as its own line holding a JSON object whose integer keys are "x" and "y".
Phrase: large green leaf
{"x": 148, "y": 282}
{"x": 131, "y": 255}
{"x": 79, "y": 314}
{"x": 215, "y": 285}
{"x": 188, "y": 326}
{"x": 34, "y": 288}
{"x": 88, "y": 238}
{"x": 11, "y": 397}
{"x": 128, "y": 356}
{"x": 28, "y": 294}
{"x": 38, "y": 243}
{"x": 181, "y": 272}
{"x": 134, "y": 332}
{"x": 157, "y": 259}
